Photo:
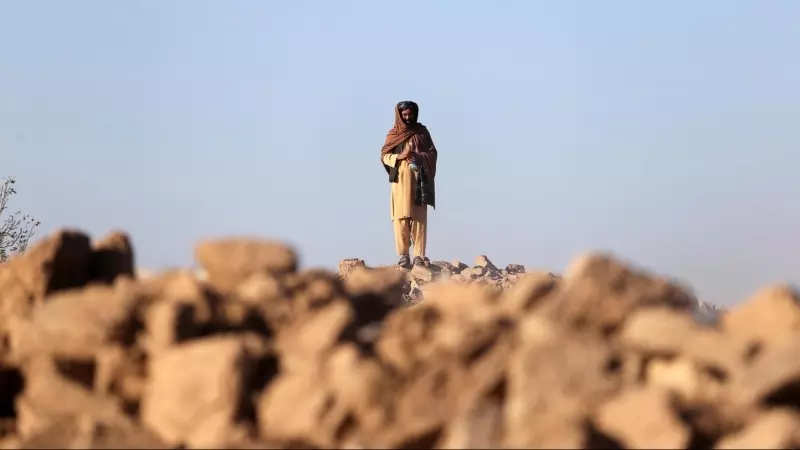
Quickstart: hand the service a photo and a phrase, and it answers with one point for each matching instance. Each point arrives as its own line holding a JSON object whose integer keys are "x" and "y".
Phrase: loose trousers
{"x": 408, "y": 232}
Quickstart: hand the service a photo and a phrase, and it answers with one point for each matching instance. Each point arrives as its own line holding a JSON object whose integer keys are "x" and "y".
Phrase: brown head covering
{"x": 421, "y": 138}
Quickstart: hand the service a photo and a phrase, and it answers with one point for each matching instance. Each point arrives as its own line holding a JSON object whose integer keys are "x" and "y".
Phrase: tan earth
{"x": 259, "y": 353}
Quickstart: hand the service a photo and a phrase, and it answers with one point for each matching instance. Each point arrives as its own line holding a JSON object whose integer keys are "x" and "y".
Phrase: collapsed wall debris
{"x": 260, "y": 353}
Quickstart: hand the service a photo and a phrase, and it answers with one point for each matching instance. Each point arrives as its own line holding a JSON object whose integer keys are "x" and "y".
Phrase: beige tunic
{"x": 410, "y": 221}
{"x": 402, "y": 205}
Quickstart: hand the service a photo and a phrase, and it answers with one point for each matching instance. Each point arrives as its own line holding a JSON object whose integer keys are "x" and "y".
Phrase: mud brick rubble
{"x": 260, "y": 353}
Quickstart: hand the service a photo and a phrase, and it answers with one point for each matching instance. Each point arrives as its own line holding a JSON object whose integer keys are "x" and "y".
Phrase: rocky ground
{"x": 483, "y": 273}
{"x": 259, "y": 353}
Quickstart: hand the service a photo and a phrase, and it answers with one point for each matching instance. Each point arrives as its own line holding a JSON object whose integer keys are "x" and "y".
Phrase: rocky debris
{"x": 207, "y": 376}
{"x": 228, "y": 262}
{"x": 425, "y": 273}
{"x": 514, "y": 269}
{"x": 59, "y": 262}
{"x": 259, "y": 353}
{"x": 771, "y": 315}
{"x": 346, "y": 266}
{"x": 658, "y": 424}
{"x": 456, "y": 265}
{"x": 483, "y": 261}
{"x": 112, "y": 257}
{"x": 777, "y": 428}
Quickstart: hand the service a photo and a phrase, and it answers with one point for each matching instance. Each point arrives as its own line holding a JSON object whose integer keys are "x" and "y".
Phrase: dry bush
{"x": 16, "y": 229}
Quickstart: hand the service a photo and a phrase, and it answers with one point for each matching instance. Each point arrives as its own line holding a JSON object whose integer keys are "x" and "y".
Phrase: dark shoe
{"x": 419, "y": 261}
{"x": 404, "y": 262}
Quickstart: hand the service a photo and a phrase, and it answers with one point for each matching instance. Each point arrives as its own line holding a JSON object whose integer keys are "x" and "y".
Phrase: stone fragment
{"x": 776, "y": 429}
{"x": 678, "y": 375}
{"x": 301, "y": 405}
{"x": 307, "y": 340}
{"x": 87, "y": 433}
{"x": 773, "y": 376}
{"x": 643, "y": 418}
{"x": 483, "y": 261}
{"x": 57, "y": 263}
{"x": 600, "y": 292}
{"x": 292, "y": 407}
{"x": 772, "y": 314}
{"x": 458, "y": 266}
{"x": 553, "y": 382}
{"x": 112, "y": 257}
{"x": 480, "y": 426}
{"x": 443, "y": 266}
{"x": 179, "y": 309}
{"x": 473, "y": 273}
{"x": 422, "y": 273}
{"x": 206, "y": 377}
{"x": 348, "y": 265}
{"x": 528, "y": 292}
{"x": 75, "y": 324}
{"x": 53, "y": 393}
{"x": 723, "y": 353}
{"x": 658, "y": 331}
{"x": 515, "y": 269}
{"x": 229, "y": 262}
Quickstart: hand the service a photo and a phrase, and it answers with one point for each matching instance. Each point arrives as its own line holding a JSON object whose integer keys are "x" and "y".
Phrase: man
{"x": 409, "y": 157}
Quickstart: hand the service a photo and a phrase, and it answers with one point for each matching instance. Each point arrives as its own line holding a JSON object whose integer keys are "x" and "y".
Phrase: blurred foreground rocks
{"x": 260, "y": 353}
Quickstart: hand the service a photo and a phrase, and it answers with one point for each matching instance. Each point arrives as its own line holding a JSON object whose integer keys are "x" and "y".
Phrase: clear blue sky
{"x": 665, "y": 131}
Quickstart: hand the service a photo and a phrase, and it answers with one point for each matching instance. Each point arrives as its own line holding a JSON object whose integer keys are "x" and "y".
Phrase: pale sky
{"x": 664, "y": 131}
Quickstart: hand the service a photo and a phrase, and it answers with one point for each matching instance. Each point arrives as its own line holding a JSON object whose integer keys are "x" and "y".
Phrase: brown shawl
{"x": 421, "y": 140}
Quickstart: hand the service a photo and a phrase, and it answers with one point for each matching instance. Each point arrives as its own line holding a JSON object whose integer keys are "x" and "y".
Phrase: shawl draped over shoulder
{"x": 421, "y": 140}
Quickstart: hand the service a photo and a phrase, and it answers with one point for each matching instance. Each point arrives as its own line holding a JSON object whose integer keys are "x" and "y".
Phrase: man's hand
{"x": 405, "y": 153}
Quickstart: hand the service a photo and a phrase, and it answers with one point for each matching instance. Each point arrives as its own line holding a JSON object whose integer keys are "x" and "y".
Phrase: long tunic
{"x": 402, "y": 192}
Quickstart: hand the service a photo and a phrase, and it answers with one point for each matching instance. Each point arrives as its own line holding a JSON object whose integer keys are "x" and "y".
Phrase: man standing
{"x": 409, "y": 157}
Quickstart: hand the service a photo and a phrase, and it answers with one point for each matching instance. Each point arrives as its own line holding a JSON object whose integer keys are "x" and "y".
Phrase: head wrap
{"x": 401, "y": 131}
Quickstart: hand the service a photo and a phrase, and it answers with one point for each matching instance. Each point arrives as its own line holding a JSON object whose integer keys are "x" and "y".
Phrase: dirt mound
{"x": 261, "y": 354}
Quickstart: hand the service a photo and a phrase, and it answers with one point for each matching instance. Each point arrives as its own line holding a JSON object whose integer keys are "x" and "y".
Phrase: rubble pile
{"x": 423, "y": 274}
{"x": 483, "y": 272}
{"x": 263, "y": 354}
